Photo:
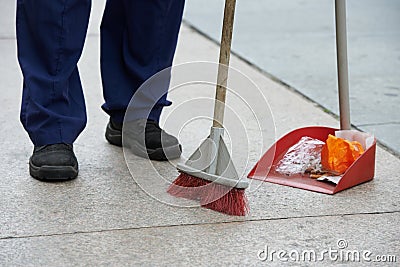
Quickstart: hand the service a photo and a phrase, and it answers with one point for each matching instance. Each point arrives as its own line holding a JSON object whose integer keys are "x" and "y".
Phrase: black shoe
{"x": 114, "y": 133}
{"x": 146, "y": 139}
{"x": 53, "y": 163}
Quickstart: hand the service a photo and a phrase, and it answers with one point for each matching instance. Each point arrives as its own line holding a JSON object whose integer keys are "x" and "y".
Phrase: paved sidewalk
{"x": 104, "y": 218}
{"x": 294, "y": 40}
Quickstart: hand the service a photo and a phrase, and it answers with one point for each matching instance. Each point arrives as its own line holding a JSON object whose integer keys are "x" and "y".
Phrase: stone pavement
{"x": 105, "y": 218}
{"x": 294, "y": 40}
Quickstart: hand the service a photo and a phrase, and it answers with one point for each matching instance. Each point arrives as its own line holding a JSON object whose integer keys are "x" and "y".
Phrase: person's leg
{"x": 138, "y": 39}
{"x": 50, "y": 38}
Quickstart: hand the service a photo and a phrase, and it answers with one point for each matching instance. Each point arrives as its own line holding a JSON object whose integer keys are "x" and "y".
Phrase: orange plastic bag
{"x": 338, "y": 154}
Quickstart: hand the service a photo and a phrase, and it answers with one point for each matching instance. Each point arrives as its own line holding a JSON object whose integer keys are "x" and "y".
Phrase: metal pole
{"x": 342, "y": 64}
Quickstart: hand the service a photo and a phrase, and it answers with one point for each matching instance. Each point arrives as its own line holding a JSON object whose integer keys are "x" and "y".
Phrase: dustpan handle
{"x": 342, "y": 64}
{"x": 224, "y": 56}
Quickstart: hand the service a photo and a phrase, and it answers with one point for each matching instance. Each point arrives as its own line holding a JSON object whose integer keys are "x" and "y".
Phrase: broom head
{"x": 210, "y": 177}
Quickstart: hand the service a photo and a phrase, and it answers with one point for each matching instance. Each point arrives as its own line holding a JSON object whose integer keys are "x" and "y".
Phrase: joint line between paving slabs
{"x": 194, "y": 224}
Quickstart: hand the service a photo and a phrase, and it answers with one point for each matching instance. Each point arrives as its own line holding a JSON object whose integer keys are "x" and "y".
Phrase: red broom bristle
{"x": 231, "y": 201}
{"x": 187, "y": 186}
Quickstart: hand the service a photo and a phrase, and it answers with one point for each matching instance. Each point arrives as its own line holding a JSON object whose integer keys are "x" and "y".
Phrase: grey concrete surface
{"x": 109, "y": 216}
{"x": 234, "y": 244}
{"x": 294, "y": 41}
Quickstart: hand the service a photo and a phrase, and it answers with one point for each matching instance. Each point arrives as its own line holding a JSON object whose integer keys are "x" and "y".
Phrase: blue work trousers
{"x": 138, "y": 39}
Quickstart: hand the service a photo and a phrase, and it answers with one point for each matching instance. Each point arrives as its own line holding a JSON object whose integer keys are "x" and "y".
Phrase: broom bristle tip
{"x": 231, "y": 201}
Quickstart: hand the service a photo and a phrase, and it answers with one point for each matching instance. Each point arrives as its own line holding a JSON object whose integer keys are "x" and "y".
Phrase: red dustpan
{"x": 362, "y": 170}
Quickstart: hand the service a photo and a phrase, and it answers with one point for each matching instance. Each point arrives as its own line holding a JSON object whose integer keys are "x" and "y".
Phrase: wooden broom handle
{"x": 224, "y": 56}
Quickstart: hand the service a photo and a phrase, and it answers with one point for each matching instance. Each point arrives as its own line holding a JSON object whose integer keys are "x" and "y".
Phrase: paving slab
{"x": 337, "y": 240}
{"x": 7, "y": 20}
{"x": 105, "y": 196}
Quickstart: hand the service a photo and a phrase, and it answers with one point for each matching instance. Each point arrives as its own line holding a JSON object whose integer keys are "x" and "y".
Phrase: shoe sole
{"x": 114, "y": 137}
{"x": 53, "y": 173}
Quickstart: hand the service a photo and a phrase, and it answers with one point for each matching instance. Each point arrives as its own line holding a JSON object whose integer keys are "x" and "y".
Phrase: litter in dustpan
{"x": 338, "y": 153}
{"x": 273, "y": 166}
{"x": 303, "y": 156}
{"x": 358, "y": 168}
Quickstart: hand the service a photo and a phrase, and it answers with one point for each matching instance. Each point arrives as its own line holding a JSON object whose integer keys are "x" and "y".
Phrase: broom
{"x": 209, "y": 174}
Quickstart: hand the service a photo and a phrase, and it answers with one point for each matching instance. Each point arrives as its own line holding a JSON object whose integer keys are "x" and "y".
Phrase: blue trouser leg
{"x": 138, "y": 39}
{"x": 50, "y": 38}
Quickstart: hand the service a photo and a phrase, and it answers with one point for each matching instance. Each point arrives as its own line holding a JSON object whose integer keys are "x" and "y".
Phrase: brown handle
{"x": 224, "y": 56}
